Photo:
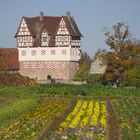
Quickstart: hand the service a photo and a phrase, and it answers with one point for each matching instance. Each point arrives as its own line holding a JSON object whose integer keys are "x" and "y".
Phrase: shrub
{"x": 94, "y": 78}
{"x": 132, "y": 77}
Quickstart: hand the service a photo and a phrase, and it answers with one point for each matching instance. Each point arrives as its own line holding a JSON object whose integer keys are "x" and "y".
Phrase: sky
{"x": 91, "y": 17}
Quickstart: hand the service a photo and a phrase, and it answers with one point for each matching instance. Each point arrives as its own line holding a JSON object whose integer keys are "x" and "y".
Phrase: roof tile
{"x": 51, "y": 24}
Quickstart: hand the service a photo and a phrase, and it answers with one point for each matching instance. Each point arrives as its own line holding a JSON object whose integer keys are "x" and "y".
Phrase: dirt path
{"x": 113, "y": 129}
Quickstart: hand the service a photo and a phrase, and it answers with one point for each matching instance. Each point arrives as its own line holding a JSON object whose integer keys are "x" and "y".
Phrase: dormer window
{"x": 45, "y": 38}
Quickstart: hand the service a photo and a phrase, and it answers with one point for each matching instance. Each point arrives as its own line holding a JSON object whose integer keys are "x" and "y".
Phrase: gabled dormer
{"x": 23, "y": 35}
{"x": 45, "y": 38}
{"x": 62, "y": 29}
{"x": 23, "y": 28}
{"x": 62, "y": 36}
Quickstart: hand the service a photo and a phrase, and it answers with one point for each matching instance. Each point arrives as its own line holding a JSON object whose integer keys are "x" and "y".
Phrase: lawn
{"x": 69, "y": 112}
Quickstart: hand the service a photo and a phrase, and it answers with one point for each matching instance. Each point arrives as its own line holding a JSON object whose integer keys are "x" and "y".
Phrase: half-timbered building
{"x": 48, "y": 46}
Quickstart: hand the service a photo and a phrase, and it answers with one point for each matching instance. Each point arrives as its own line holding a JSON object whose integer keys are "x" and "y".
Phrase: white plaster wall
{"x": 75, "y": 54}
{"x": 58, "y": 56}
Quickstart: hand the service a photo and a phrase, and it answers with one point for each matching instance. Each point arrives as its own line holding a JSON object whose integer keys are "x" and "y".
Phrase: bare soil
{"x": 113, "y": 122}
{"x": 8, "y": 79}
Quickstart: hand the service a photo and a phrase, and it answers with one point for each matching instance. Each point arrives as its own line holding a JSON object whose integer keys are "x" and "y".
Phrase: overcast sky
{"x": 90, "y": 15}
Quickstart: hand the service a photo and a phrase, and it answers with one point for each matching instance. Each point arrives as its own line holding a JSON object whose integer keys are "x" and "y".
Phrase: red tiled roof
{"x": 72, "y": 26}
{"x": 36, "y": 26}
{"x": 10, "y": 58}
{"x": 51, "y": 24}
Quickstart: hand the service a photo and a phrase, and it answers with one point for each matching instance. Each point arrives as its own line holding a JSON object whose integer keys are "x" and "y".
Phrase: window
{"x": 43, "y": 52}
{"x": 75, "y": 38}
{"x": 44, "y": 39}
{"x": 64, "y": 52}
{"x": 33, "y": 52}
{"x": 23, "y": 53}
{"x": 52, "y": 51}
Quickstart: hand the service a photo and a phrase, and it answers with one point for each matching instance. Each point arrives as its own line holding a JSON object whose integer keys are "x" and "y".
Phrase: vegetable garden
{"x": 43, "y": 117}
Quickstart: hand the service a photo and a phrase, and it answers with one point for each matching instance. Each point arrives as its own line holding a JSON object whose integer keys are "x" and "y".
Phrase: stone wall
{"x": 62, "y": 70}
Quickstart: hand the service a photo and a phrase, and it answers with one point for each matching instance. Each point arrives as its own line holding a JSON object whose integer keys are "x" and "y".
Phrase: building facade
{"x": 97, "y": 67}
{"x": 48, "y": 46}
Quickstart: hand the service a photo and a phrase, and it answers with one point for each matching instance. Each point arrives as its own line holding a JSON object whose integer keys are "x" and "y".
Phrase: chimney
{"x": 41, "y": 16}
{"x": 68, "y": 14}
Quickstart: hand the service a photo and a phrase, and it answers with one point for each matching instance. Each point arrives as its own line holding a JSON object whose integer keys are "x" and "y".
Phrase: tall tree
{"x": 123, "y": 52}
{"x": 119, "y": 37}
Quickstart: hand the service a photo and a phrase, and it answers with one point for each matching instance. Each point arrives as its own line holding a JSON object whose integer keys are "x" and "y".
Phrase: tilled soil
{"x": 113, "y": 122}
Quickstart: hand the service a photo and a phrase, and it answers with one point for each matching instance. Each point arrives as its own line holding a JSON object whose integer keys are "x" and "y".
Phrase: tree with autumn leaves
{"x": 123, "y": 56}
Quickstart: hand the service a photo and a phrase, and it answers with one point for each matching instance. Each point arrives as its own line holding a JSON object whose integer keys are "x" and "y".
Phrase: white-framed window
{"x": 44, "y": 38}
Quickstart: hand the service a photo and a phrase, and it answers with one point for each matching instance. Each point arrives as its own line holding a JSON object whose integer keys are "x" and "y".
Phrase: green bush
{"x": 83, "y": 71}
{"x": 132, "y": 77}
{"x": 132, "y": 81}
{"x": 94, "y": 78}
